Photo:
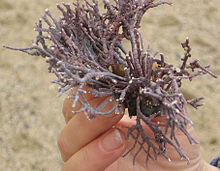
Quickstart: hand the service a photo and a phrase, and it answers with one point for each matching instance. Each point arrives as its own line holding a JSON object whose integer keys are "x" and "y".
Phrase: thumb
{"x": 192, "y": 151}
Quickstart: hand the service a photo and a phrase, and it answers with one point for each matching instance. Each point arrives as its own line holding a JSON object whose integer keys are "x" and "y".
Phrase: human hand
{"x": 98, "y": 144}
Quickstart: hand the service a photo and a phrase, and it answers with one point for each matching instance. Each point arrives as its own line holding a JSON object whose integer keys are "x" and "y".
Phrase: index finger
{"x": 68, "y": 102}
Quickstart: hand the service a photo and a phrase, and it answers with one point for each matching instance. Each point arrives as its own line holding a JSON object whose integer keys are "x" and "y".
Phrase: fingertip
{"x": 69, "y": 100}
{"x": 106, "y": 104}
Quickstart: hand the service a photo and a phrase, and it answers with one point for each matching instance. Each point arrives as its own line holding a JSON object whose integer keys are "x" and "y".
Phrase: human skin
{"x": 98, "y": 144}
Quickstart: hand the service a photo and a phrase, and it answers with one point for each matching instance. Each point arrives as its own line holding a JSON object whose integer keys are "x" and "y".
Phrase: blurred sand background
{"x": 30, "y": 112}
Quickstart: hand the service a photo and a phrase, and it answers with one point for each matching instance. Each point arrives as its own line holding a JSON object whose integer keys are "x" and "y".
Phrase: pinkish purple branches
{"x": 85, "y": 47}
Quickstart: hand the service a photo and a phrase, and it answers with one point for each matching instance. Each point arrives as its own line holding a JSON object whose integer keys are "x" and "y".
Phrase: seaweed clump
{"x": 84, "y": 47}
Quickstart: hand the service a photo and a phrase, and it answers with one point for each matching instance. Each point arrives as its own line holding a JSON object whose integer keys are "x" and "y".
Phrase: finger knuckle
{"x": 63, "y": 146}
{"x": 85, "y": 154}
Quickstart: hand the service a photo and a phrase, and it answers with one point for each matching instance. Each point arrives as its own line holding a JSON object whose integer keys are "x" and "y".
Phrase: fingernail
{"x": 112, "y": 141}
